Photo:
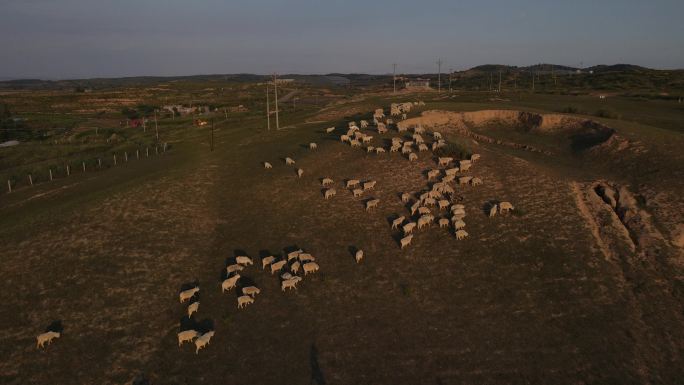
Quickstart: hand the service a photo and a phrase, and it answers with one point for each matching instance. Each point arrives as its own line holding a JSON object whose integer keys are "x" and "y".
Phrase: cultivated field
{"x": 564, "y": 289}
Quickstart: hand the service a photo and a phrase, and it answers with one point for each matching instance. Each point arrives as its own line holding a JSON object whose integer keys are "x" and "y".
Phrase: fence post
{"x": 115, "y": 159}
{"x": 50, "y": 175}
{"x": 9, "y": 185}
{"x": 30, "y": 180}
{"x": 68, "y": 170}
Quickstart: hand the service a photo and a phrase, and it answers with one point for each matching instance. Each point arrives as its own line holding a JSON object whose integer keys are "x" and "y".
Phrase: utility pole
{"x": 275, "y": 87}
{"x": 394, "y": 77}
{"x": 268, "y": 110}
{"x": 439, "y": 75}
{"x": 156, "y": 129}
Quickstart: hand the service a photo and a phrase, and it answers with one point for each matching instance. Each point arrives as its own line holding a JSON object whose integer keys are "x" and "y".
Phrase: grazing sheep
{"x": 406, "y": 241}
{"x": 408, "y": 228}
{"x": 451, "y": 171}
{"x": 443, "y": 204}
{"x": 187, "y": 294}
{"x": 395, "y": 148}
{"x": 405, "y": 150}
{"x": 424, "y": 221}
{"x": 203, "y": 341}
{"x": 331, "y": 192}
{"x": 465, "y": 167}
{"x": 403, "y": 116}
{"x": 457, "y": 206}
{"x": 459, "y": 224}
{"x": 355, "y": 143}
{"x": 423, "y": 147}
{"x": 457, "y": 217}
{"x": 358, "y": 256}
{"x": 294, "y": 254}
{"x": 267, "y": 261}
{"x": 493, "y": 210}
{"x": 357, "y": 192}
{"x": 415, "y": 208}
{"x": 366, "y": 139}
{"x": 251, "y": 291}
{"x": 327, "y": 182}
{"x": 329, "y": 129}
{"x": 397, "y": 222}
{"x": 430, "y": 201}
{"x": 464, "y": 180}
{"x": 443, "y": 222}
{"x": 445, "y": 161}
{"x": 380, "y": 150}
{"x": 351, "y": 124}
{"x": 372, "y": 203}
{"x": 458, "y": 211}
{"x": 344, "y": 138}
{"x": 363, "y": 123}
{"x": 286, "y": 275}
{"x": 41, "y": 339}
{"x": 295, "y": 267}
{"x": 418, "y": 130}
{"x": 313, "y": 146}
{"x": 244, "y": 260}
{"x": 290, "y": 283}
{"x": 186, "y": 336}
{"x": 448, "y": 178}
{"x": 233, "y": 268}
{"x": 460, "y": 234}
{"x": 267, "y": 165}
{"x": 476, "y": 181}
{"x": 244, "y": 300}
{"x": 433, "y": 174}
{"x": 352, "y": 183}
{"x": 310, "y": 267}
{"x": 436, "y": 135}
{"x": 423, "y": 210}
{"x": 412, "y": 156}
{"x": 369, "y": 185}
{"x": 275, "y": 266}
{"x": 289, "y": 161}
{"x": 193, "y": 308}
{"x": 389, "y": 121}
{"x": 408, "y": 143}
{"x": 474, "y": 157}
{"x": 405, "y": 197}
{"x": 300, "y": 172}
{"x": 370, "y": 149}
{"x": 229, "y": 283}
{"x": 306, "y": 257}
{"x": 505, "y": 207}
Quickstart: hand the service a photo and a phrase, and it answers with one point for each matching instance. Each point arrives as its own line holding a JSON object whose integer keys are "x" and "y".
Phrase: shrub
{"x": 570, "y": 110}
{"x": 454, "y": 150}
{"x": 604, "y": 113}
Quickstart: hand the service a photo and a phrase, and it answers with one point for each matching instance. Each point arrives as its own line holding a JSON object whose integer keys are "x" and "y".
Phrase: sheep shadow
{"x": 55, "y": 326}
{"x": 487, "y": 206}
{"x": 243, "y": 282}
{"x": 189, "y": 285}
{"x": 352, "y": 250}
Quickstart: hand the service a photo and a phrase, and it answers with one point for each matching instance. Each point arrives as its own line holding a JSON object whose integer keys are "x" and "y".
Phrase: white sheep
{"x": 233, "y": 268}
{"x": 290, "y": 283}
{"x": 267, "y": 165}
{"x": 187, "y": 294}
{"x": 358, "y": 256}
{"x": 355, "y": 143}
{"x": 474, "y": 157}
{"x": 464, "y": 180}
{"x": 397, "y": 222}
{"x": 352, "y": 183}
{"x": 458, "y": 211}
{"x": 364, "y": 123}
{"x": 244, "y": 260}
{"x": 445, "y": 161}
{"x": 295, "y": 267}
{"x": 310, "y": 267}
{"x": 46, "y": 337}
{"x": 267, "y": 261}
{"x": 251, "y": 291}
{"x": 476, "y": 181}
{"x": 451, "y": 171}
{"x": 430, "y": 201}
{"x": 436, "y": 135}
{"x": 286, "y": 275}
{"x": 415, "y": 208}
{"x": 331, "y": 192}
{"x": 505, "y": 207}
{"x": 306, "y": 257}
{"x": 357, "y": 192}
{"x": 366, "y": 139}
{"x": 395, "y": 148}
{"x": 493, "y": 210}
{"x": 193, "y": 308}
{"x": 423, "y": 210}
{"x": 186, "y": 336}
{"x": 406, "y": 241}
{"x": 443, "y": 222}
{"x": 459, "y": 224}
{"x": 448, "y": 178}
{"x": 405, "y": 197}
{"x": 460, "y": 234}
{"x": 369, "y": 185}
{"x": 408, "y": 228}
{"x": 313, "y": 146}
{"x": 464, "y": 167}
{"x": 203, "y": 341}
{"x": 423, "y": 147}
{"x": 289, "y": 161}
{"x": 433, "y": 174}
{"x": 229, "y": 283}
{"x": 300, "y": 172}
{"x": 457, "y": 206}
{"x": 329, "y": 129}
{"x": 423, "y": 221}
{"x": 372, "y": 203}
{"x": 294, "y": 254}
{"x": 380, "y": 150}
{"x": 443, "y": 204}
{"x": 344, "y": 138}
{"x": 351, "y": 124}
{"x": 244, "y": 300}
{"x": 405, "y": 150}
{"x": 275, "y": 266}
{"x": 412, "y": 156}
{"x": 327, "y": 182}
{"x": 370, "y": 149}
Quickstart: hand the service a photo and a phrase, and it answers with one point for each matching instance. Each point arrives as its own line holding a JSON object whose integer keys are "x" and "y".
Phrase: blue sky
{"x": 91, "y": 38}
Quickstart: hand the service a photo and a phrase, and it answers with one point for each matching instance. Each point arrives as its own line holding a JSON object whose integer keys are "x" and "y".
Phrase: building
{"x": 417, "y": 84}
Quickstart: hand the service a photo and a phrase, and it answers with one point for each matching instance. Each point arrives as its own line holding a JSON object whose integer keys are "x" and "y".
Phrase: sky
{"x": 62, "y": 39}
